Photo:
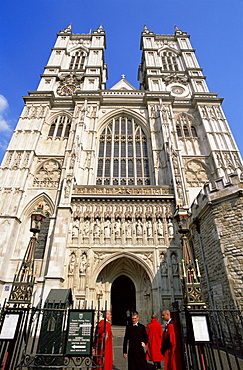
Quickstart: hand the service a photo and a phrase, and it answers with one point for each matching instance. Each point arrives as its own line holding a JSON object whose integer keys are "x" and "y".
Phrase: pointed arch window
{"x": 169, "y": 61}
{"x": 123, "y": 154}
{"x": 60, "y": 127}
{"x": 77, "y": 60}
{"x": 185, "y": 128}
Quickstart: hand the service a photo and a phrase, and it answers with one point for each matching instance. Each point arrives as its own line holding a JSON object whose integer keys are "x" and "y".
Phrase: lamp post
{"x": 189, "y": 268}
{"x": 23, "y": 283}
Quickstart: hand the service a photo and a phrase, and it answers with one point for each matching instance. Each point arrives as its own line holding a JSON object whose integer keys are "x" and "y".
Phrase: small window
{"x": 59, "y": 131}
{"x": 60, "y": 127}
{"x": 52, "y": 129}
{"x": 186, "y": 131}
{"x": 178, "y": 130}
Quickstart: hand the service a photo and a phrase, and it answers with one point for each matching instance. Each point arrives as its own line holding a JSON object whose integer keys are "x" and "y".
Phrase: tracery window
{"x": 169, "y": 61}
{"x": 60, "y": 127}
{"x": 184, "y": 127}
{"x": 123, "y": 154}
{"x": 77, "y": 60}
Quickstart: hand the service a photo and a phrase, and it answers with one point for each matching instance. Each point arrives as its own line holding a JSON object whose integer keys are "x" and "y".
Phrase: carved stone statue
{"x": 107, "y": 228}
{"x": 160, "y": 228}
{"x": 129, "y": 228}
{"x": 174, "y": 264}
{"x": 118, "y": 227}
{"x": 71, "y": 263}
{"x": 164, "y": 267}
{"x": 82, "y": 267}
{"x": 97, "y": 228}
{"x": 170, "y": 229}
{"x": 86, "y": 228}
{"x": 75, "y": 230}
{"x": 149, "y": 229}
{"x": 139, "y": 228}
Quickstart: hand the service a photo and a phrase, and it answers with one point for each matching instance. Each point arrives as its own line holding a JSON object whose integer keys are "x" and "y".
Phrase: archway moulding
{"x": 115, "y": 256}
{"x": 122, "y": 111}
{"x": 40, "y": 198}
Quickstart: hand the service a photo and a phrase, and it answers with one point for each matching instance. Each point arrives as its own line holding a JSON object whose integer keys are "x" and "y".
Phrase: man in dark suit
{"x": 137, "y": 337}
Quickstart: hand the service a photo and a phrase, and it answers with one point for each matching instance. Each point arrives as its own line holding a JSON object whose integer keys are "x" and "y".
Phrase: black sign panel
{"x": 80, "y": 332}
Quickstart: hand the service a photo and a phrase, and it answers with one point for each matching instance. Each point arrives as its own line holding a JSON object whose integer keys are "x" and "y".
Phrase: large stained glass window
{"x": 123, "y": 154}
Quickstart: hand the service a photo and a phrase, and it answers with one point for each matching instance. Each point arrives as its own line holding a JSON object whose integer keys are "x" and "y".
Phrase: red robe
{"x": 172, "y": 340}
{"x": 154, "y": 332}
{"x": 99, "y": 342}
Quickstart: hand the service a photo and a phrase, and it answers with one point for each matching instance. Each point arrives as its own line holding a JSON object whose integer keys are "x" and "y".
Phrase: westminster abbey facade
{"x": 110, "y": 167}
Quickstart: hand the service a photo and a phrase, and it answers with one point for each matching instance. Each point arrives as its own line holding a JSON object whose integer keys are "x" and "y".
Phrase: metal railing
{"x": 39, "y": 341}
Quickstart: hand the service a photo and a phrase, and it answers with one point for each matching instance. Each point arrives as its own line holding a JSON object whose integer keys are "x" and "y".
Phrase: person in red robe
{"x": 103, "y": 344}
{"x": 154, "y": 333}
{"x": 171, "y": 343}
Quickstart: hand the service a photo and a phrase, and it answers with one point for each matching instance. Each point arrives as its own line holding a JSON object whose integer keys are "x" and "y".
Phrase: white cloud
{"x": 4, "y": 125}
{"x": 3, "y": 104}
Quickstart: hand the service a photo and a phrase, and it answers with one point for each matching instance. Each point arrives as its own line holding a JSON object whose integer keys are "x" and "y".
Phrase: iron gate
{"x": 39, "y": 342}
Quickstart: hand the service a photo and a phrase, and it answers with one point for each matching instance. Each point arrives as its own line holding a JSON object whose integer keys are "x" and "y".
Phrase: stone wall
{"x": 219, "y": 211}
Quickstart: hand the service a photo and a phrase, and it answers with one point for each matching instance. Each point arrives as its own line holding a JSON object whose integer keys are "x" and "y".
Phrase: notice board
{"x": 80, "y": 332}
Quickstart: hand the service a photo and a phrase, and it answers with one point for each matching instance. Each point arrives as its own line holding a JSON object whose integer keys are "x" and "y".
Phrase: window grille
{"x": 123, "y": 154}
{"x": 169, "y": 61}
{"x": 60, "y": 127}
{"x": 184, "y": 127}
{"x": 77, "y": 60}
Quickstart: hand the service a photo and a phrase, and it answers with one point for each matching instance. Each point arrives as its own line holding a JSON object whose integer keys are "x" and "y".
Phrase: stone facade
{"x": 219, "y": 210}
{"x": 110, "y": 167}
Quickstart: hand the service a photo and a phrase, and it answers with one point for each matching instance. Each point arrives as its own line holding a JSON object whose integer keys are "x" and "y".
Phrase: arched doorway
{"x": 123, "y": 297}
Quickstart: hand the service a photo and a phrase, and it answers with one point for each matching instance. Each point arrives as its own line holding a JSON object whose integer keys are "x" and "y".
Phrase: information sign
{"x": 200, "y": 328}
{"x": 9, "y": 326}
{"x": 80, "y": 332}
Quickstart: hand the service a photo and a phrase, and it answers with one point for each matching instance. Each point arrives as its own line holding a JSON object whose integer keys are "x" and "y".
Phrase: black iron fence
{"x": 212, "y": 339}
{"x": 38, "y": 339}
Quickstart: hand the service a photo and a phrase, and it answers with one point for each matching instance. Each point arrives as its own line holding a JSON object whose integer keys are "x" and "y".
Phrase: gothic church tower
{"x": 110, "y": 167}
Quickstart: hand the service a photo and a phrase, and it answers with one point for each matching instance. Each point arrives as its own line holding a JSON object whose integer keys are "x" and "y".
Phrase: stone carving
{"x": 71, "y": 264}
{"x": 196, "y": 175}
{"x": 48, "y": 175}
{"x": 86, "y": 228}
{"x": 89, "y": 189}
{"x": 139, "y": 227}
{"x": 164, "y": 267}
{"x": 237, "y": 160}
{"x": 111, "y": 225}
{"x": 67, "y": 188}
{"x": 8, "y": 159}
{"x": 75, "y": 230}
{"x": 174, "y": 264}
{"x": 160, "y": 230}
{"x": 107, "y": 228}
{"x": 170, "y": 229}
{"x": 82, "y": 266}
{"x": 175, "y": 77}
{"x": 97, "y": 228}
{"x": 117, "y": 228}
{"x": 149, "y": 229}
{"x": 129, "y": 228}
{"x": 87, "y": 161}
{"x": 229, "y": 162}
{"x": 17, "y": 159}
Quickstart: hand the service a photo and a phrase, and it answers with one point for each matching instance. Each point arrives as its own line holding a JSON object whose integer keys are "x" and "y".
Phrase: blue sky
{"x": 29, "y": 27}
